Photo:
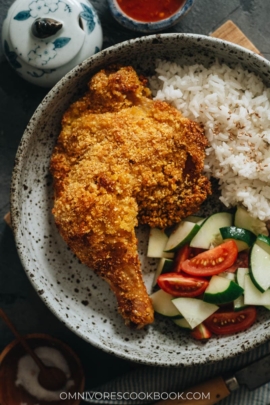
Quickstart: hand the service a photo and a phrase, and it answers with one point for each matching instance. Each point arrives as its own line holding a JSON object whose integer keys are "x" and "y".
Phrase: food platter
{"x": 73, "y": 292}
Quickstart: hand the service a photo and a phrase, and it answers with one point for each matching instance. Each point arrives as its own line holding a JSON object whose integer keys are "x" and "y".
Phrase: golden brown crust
{"x": 122, "y": 157}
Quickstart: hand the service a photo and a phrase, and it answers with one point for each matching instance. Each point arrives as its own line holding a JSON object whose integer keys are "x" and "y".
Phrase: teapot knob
{"x": 45, "y": 27}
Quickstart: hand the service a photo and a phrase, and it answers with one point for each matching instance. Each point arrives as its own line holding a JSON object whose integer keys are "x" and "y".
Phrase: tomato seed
{"x": 187, "y": 288}
{"x": 223, "y": 322}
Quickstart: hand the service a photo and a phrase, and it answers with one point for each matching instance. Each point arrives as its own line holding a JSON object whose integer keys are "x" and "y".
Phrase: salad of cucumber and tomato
{"x": 213, "y": 272}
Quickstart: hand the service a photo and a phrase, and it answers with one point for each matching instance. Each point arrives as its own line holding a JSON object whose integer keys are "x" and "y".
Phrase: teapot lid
{"x": 46, "y": 34}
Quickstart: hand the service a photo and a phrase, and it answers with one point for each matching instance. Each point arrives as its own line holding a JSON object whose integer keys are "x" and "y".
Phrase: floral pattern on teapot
{"x": 44, "y": 55}
{"x": 38, "y": 7}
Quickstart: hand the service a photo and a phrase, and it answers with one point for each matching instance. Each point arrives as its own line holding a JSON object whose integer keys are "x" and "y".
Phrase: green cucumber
{"x": 253, "y": 296}
{"x": 260, "y": 263}
{"x": 243, "y": 219}
{"x": 182, "y": 323}
{"x": 209, "y": 234}
{"x": 162, "y": 304}
{"x": 243, "y": 238}
{"x": 156, "y": 244}
{"x": 165, "y": 266}
{"x": 240, "y": 276}
{"x": 227, "y": 274}
{"x": 181, "y": 235}
{"x": 221, "y": 291}
{"x": 195, "y": 219}
{"x": 239, "y": 303}
{"x": 194, "y": 310}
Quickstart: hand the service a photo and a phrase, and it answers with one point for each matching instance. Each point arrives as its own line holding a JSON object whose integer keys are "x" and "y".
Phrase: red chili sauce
{"x": 150, "y": 10}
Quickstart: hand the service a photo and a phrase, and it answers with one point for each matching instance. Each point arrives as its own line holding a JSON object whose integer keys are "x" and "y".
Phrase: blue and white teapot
{"x": 45, "y": 39}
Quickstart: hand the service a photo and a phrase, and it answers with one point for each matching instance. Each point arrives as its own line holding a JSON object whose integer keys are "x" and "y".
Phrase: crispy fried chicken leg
{"x": 122, "y": 158}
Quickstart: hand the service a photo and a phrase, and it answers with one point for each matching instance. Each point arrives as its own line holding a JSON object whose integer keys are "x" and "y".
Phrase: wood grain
{"x": 205, "y": 393}
{"x": 7, "y": 219}
{"x": 230, "y": 32}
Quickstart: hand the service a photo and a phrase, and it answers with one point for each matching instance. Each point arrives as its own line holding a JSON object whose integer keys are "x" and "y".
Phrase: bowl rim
{"x": 18, "y": 168}
{"x": 59, "y": 345}
{"x": 136, "y": 25}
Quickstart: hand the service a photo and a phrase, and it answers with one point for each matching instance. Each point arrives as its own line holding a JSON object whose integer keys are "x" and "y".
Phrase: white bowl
{"x": 73, "y": 292}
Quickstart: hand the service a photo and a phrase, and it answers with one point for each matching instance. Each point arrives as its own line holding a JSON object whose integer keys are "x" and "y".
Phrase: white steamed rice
{"x": 234, "y": 107}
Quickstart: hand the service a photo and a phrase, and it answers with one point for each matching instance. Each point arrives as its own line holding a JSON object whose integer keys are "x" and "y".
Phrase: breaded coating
{"x": 123, "y": 159}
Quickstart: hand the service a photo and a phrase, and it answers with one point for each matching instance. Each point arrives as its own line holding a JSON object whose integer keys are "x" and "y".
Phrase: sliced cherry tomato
{"x": 225, "y": 323}
{"x": 212, "y": 261}
{"x": 241, "y": 261}
{"x": 195, "y": 251}
{"x": 201, "y": 332}
{"x": 181, "y": 255}
{"x": 182, "y": 286}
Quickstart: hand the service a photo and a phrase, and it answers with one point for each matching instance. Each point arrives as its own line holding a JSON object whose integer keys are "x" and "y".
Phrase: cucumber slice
{"x": 239, "y": 303}
{"x": 195, "y": 311}
{"x": 243, "y": 238}
{"x": 260, "y": 263}
{"x": 165, "y": 266}
{"x": 182, "y": 234}
{"x": 253, "y": 296}
{"x": 195, "y": 219}
{"x": 209, "y": 234}
{"x": 156, "y": 244}
{"x": 162, "y": 304}
{"x": 221, "y": 291}
{"x": 182, "y": 323}
{"x": 243, "y": 219}
{"x": 228, "y": 275}
{"x": 240, "y": 276}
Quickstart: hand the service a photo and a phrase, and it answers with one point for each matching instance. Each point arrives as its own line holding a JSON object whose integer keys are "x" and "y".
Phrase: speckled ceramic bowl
{"x": 147, "y": 27}
{"x": 73, "y": 292}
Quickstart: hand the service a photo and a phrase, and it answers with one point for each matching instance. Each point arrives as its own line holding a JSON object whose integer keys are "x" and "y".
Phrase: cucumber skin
{"x": 255, "y": 282}
{"x": 258, "y": 299}
{"x": 186, "y": 240}
{"x": 240, "y": 307}
{"x": 217, "y": 236}
{"x": 161, "y": 304}
{"x": 167, "y": 268}
{"x": 183, "y": 324}
{"x": 230, "y": 294}
{"x": 242, "y": 218}
{"x": 191, "y": 306}
{"x": 233, "y": 232}
{"x": 266, "y": 240}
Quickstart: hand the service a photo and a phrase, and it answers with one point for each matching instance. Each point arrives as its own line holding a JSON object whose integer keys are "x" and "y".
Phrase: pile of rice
{"x": 233, "y": 105}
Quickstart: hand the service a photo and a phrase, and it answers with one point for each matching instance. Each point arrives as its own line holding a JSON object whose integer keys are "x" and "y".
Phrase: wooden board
{"x": 230, "y": 32}
{"x": 227, "y": 31}
{"x": 7, "y": 219}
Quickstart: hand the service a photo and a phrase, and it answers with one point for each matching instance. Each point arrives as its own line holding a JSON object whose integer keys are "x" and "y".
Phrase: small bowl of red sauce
{"x": 149, "y": 16}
